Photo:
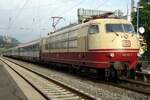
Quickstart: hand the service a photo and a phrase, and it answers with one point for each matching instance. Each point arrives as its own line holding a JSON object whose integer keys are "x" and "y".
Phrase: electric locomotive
{"x": 109, "y": 45}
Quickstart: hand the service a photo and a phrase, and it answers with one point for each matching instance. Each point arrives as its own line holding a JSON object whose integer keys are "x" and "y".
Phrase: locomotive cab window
{"x": 114, "y": 28}
{"x": 93, "y": 29}
{"x": 125, "y": 28}
{"x": 128, "y": 28}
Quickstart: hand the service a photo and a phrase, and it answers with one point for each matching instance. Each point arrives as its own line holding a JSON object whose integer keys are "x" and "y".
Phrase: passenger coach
{"x": 29, "y": 51}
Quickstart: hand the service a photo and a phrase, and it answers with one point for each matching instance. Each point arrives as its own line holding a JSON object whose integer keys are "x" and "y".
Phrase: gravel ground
{"x": 99, "y": 90}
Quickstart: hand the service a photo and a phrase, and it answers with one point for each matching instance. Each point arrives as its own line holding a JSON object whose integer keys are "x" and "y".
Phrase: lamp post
{"x": 138, "y": 13}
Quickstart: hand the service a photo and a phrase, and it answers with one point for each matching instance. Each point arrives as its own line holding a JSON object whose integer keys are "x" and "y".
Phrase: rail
{"x": 63, "y": 91}
{"x": 137, "y": 86}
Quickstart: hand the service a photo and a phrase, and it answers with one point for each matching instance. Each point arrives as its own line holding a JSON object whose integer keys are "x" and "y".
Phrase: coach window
{"x": 93, "y": 29}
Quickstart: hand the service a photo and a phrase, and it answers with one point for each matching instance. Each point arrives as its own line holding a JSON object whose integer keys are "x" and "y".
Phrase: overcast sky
{"x": 29, "y": 19}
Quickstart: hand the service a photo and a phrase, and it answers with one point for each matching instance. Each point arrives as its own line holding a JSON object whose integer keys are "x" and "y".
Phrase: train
{"x": 107, "y": 45}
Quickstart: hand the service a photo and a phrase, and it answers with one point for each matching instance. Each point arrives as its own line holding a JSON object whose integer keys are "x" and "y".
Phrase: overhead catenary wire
{"x": 40, "y": 22}
{"x": 71, "y": 8}
{"x": 38, "y": 19}
{"x": 12, "y": 21}
{"x": 102, "y": 4}
{"x": 66, "y": 11}
{"x": 10, "y": 18}
{"x": 17, "y": 15}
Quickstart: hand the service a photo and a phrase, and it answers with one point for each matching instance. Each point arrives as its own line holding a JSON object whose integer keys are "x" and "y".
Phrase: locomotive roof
{"x": 96, "y": 21}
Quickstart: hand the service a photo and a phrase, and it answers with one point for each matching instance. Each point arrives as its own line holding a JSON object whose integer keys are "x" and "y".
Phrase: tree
{"x": 144, "y": 20}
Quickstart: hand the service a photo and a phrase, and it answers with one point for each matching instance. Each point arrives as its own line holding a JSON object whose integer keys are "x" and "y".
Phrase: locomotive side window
{"x": 93, "y": 29}
{"x": 73, "y": 44}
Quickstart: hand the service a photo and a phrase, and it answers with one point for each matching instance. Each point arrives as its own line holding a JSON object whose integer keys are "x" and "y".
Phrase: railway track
{"x": 143, "y": 76}
{"x": 133, "y": 85}
{"x": 49, "y": 88}
{"x": 126, "y": 84}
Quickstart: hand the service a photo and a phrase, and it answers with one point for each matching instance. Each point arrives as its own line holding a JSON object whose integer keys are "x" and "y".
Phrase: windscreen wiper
{"x": 114, "y": 32}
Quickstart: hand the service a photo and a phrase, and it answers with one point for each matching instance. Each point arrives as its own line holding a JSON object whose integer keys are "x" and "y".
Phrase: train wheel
{"x": 107, "y": 74}
{"x": 101, "y": 74}
{"x": 113, "y": 74}
{"x": 132, "y": 74}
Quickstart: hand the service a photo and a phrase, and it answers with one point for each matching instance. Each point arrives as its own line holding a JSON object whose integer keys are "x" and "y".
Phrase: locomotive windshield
{"x": 127, "y": 28}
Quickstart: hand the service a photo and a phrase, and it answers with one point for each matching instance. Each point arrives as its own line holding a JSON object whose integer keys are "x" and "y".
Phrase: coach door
{"x": 92, "y": 36}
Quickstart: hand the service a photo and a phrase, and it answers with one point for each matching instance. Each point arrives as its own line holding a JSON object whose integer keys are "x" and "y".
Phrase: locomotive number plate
{"x": 126, "y": 43}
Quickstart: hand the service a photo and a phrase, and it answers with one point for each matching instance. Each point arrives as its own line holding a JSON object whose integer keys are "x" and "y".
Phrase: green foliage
{"x": 4, "y": 44}
{"x": 144, "y": 20}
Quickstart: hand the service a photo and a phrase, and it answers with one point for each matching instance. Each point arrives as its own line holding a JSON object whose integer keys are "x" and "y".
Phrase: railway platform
{"x": 9, "y": 90}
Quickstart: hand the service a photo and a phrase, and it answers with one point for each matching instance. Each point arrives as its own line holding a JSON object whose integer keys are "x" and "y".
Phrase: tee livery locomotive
{"x": 109, "y": 45}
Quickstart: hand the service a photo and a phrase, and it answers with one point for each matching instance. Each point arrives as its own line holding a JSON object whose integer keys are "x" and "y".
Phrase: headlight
{"x": 138, "y": 54}
{"x": 112, "y": 55}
